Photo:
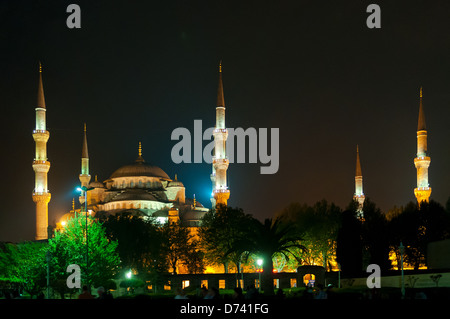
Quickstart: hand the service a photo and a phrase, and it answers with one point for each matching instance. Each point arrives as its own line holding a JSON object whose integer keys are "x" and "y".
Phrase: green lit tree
{"x": 95, "y": 254}
{"x": 25, "y": 265}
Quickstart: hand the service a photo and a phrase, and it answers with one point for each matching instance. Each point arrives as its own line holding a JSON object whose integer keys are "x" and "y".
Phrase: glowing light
{"x": 128, "y": 274}
{"x": 161, "y": 220}
{"x": 259, "y": 262}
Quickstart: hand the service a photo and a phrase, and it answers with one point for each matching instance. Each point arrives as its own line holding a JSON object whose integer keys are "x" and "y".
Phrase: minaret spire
{"x": 220, "y": 97}
{"x": 41, "y": 165}
{"x": 40, "y": 96}
{"x": 422, "y": 161}
{"x": 359, "y": 194}
{"x": 220, "y": 193}
{"x": 84, "y": 177}
{"x": 421, "y": 126}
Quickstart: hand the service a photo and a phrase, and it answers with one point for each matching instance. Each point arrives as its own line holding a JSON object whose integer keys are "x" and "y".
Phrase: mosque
{"x": 148, "y": 191}
{"x": 139, "y": 187}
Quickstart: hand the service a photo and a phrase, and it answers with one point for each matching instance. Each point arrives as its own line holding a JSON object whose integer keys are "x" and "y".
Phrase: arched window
{"x": 309, "y": 279}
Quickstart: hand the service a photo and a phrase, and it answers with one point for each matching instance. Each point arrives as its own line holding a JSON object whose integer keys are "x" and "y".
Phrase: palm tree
{"x": 265, "y": 240}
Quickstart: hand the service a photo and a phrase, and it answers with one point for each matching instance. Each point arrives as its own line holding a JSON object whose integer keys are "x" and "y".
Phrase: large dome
{"x": 140, "y": 168}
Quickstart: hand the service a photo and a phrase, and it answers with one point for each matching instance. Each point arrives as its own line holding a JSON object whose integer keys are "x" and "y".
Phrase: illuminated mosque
{"x": 139, "y": 187}
{"x": 146, "y": 190}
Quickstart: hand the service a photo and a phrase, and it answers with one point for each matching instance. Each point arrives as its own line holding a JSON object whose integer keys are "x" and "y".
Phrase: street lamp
{"x": 84, "y": 191}
{"x": 339, "y": 275}
{"x": 259, "y": 262}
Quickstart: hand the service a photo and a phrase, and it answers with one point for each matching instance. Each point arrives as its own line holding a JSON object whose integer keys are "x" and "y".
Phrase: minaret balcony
{"x": 220, "y": 130}
{"x": 220, "y": 163}
{"x": 43, "y": 197}
{"x": 422, "y": 161}
{"x": 219, "y": 160}
{"x": 41, "y": 135}
{"x": 422, "y": 189}
{"x": 221, "y": 190}
{"x": 40, "y": 131}
{"x": 41, "y": 166}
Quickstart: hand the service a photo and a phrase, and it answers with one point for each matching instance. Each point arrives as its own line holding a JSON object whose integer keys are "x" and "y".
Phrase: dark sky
{"x": 136, "y": 70}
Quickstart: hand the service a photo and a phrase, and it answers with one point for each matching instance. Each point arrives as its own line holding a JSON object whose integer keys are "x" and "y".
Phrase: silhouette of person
{"x": 85, "y": 294}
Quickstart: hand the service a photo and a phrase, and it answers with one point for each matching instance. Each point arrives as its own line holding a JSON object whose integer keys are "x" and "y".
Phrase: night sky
{"x": 137, "y": 70}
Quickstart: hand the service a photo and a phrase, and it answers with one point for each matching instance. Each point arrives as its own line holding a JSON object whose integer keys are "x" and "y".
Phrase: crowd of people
{"x": 102, "y": 294}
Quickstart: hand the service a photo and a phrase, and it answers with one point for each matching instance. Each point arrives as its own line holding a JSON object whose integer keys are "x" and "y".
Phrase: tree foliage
{"x": 415, "y": 227}
{"x": 25, "y": 265}
{"x": 95, "y": 254}
{"x": 266, "y": 240}
{"x": 218, "y": 233}
{"x": 318, "y": 226}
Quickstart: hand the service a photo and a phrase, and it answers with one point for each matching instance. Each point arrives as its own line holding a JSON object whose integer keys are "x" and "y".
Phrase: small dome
{"x": 175, "y": 183}
{"x": 96, "y": 184}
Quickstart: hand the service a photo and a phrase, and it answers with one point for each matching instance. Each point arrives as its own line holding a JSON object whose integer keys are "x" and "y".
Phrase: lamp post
{"x": 259, "y": 262}
{"x": 84, "y": 191}
{"x": 339, "y": 275}
{"x": 402, "y": 250}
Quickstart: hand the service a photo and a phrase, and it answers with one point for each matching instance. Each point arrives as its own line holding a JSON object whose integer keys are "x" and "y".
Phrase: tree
{"x": 416, "y": 227}
{"x": 318, "y": 226}
{"x": 139, "y": 242}
{"x": 177, "y": 244}
{"x": 266, "y": 240}
{"x": 218, "y": 232}
{"x": 69, "y": 246}
{"x": 25, "y": 264}
{"x": 348, "y": 244}
{"x": 375, "y": 246}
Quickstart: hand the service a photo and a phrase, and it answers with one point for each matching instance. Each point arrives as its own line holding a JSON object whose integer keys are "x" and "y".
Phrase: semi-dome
{"x": 175, "y": 183}
{"x": 140, "y": 168}
{"x": 96, "y": 184}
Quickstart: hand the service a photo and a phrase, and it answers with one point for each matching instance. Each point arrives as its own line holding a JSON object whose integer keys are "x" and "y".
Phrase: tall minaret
{"x": 85, "y": 178}
{"x": 422, "y": 161}
{"x": 41, "y": 166}
{"x": 359, "y": 194}
{"x": 220, "y": 161}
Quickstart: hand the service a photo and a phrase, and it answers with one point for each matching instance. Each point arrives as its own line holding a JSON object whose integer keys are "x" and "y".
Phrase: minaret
{"x": 359, "y": 194}
{"x": 41, "y": 166}
{"x": 213, "y": 181}
{"x": 85, "y": 178}
{"x": 422, "y": 161}
{"x": 221, "y": 192}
